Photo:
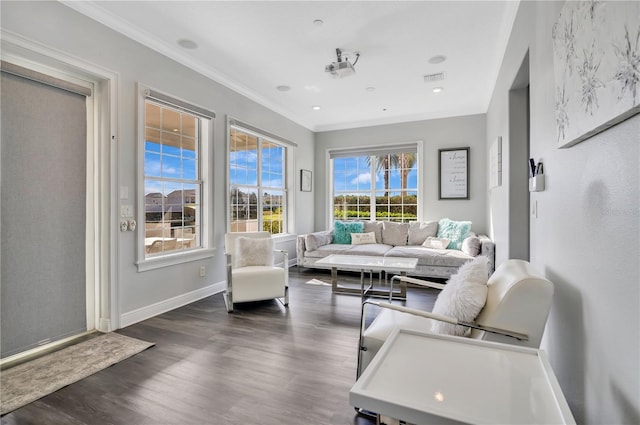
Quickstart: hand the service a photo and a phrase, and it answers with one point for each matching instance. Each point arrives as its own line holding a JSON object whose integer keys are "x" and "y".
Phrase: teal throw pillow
{"x": 455, "y": 231}
{"x": 342, "y": 231}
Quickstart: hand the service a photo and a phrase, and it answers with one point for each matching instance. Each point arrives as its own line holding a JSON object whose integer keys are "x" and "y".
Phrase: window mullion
{"x": 372, "y": 192}
{"x": 260, "y": 188}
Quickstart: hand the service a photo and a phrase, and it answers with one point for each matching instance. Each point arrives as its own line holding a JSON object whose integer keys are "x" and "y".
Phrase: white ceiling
{"x": 255, "y": 46}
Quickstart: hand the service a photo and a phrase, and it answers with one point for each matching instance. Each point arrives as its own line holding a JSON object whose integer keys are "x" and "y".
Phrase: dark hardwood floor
{"x": 263, "y": 364}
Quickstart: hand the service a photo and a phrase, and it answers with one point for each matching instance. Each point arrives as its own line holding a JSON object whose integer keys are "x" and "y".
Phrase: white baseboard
{"x": 152, "y": 310}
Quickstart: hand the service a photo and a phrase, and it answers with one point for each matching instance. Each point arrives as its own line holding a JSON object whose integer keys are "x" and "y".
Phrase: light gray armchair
{"x": 251, "y": 273}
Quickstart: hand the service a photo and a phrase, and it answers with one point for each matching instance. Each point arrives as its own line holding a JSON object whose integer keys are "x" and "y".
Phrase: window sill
{"x": 284, "y": 238}
{"x": 174, "y": 259}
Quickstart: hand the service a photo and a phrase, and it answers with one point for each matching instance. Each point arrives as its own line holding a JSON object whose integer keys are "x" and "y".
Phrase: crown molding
{"x": 126, "y": 28}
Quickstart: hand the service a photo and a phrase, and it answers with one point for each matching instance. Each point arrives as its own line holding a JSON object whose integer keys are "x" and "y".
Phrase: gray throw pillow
{"x": 419, "y": 231}
{"x": 471, "y": 245}
{"x": 394, "y": 233}
{"x": 313, "y": 241}
{"x": 375, "y": 227}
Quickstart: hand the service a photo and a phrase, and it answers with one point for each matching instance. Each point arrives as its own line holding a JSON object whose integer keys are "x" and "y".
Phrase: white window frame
{"x": 374, "y": 150}
{"x": 289, "y": 175}
{"x": 205, "y": 159}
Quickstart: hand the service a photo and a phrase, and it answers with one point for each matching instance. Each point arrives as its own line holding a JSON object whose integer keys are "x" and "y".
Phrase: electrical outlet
{"x": 203, "y": 271}
{"x": 124, "y": 225}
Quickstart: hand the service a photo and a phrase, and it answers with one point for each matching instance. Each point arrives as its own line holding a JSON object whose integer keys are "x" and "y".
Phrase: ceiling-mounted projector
{"x": 340, "y": 68}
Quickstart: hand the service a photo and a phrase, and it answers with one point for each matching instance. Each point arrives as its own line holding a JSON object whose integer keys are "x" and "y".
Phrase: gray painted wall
{"x": 61, "y": 28}
{"x": 435, "y": 134}
{"x": 586, "y": 236}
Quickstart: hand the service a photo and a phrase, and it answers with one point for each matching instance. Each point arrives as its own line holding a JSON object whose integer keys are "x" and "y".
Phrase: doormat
{"x": 27, "y": 382}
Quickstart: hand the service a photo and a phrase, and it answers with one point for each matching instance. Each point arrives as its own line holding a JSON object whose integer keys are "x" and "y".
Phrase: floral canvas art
{"x": 596, "y": 47}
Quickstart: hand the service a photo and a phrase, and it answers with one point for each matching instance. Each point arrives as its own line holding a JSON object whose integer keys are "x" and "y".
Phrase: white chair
{"x": 251, "y": 274}
{"x": 515, "y": 312}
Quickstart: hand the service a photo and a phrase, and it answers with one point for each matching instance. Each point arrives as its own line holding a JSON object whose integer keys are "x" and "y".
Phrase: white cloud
{"x": 362, "y": 178}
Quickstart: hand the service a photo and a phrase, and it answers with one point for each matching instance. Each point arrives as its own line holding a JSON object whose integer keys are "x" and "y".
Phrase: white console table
{"x": 426, "y": 378}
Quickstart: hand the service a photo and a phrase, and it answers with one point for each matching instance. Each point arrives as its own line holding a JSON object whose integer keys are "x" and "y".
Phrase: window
{"x": 176, "y": 139}
{"x": 257, "y": 181}
{"x": 383, "y": 186}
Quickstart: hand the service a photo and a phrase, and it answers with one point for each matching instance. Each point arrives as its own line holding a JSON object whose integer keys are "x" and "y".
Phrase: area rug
{"x": 27, "y": 382}
{"x": 317, "y": 282}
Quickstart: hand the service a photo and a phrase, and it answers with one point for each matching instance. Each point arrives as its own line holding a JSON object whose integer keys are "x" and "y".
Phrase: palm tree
{"x": 405, "y": 162}
{"x": 384, "y": 163}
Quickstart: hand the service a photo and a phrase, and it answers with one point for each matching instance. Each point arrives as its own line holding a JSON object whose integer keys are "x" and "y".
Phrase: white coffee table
{"x": 424, "y": 378}
{"x": 371, "y": 264}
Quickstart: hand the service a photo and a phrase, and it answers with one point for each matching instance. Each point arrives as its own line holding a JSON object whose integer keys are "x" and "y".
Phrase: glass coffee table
{"x": 370, "y": 264}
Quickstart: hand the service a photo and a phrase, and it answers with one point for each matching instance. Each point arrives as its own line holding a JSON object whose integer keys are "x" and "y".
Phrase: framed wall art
{"x": 453, "y": 170}
{"x": 596, "y": 46}
{"x": 305, "y": 180}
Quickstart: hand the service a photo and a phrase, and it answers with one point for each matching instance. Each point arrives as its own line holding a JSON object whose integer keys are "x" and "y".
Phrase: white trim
{"x": 152, "y": 310}
{"x": 421, "y": 188}
{"x": 205, "y": 180}
{"x": 175, "y": 259}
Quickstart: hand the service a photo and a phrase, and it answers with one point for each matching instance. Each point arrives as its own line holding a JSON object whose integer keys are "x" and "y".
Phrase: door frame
{"x": 102, "y": 173}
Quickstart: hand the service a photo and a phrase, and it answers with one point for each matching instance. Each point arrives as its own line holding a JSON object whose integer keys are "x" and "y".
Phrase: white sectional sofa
{"x": 401, "y": 240}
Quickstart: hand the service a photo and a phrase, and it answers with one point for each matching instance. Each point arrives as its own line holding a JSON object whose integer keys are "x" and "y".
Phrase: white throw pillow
{"x": 363, "y": 238}
{"x": 253, "y": 252}
{"x": 436, "y": 243}
{"x": 463, "y": 297}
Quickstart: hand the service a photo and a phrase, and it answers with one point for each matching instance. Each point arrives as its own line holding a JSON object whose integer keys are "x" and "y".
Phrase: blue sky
{"x": 354, "y": 174}
{"x": 172, "y": 162}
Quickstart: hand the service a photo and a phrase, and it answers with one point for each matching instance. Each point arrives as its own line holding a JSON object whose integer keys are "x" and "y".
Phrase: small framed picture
{"x": 305, "y": 180}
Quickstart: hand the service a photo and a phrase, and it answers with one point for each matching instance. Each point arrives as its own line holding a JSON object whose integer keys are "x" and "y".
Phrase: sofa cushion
{"x": 463, "y": 296}
{"x": 436, "y": 243}
{"x": 317, "y": 239}
{"x": 342, "y": 231}
{"x": 375, "y": 227}
{"x": 455, "y": 231}
{"x": 377, "y": 249}
{"x": 419, "y": 231}
{"x": 430, "y": 257}
{"x": 363, "y": 238}
{"x": 325, "y": 250}
{"x": 394, "y": 233}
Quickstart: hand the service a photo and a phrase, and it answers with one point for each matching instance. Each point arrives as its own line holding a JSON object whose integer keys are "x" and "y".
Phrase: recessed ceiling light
{"x": 318, "y": 22}
{"x": 370, "y": 89}
{"x": 315, "y": 108}
{"x": 175, "y": 129}
{"x": 384, "y": 109}
{"x": 437, "y": 89}
{"x": 437, "y": 59}
{"x": 187, "y": 44}
{"x": 283, "y": 88}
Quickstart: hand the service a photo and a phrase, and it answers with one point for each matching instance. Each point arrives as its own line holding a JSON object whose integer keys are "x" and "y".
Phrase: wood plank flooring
{"x": 263, "y": 364}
